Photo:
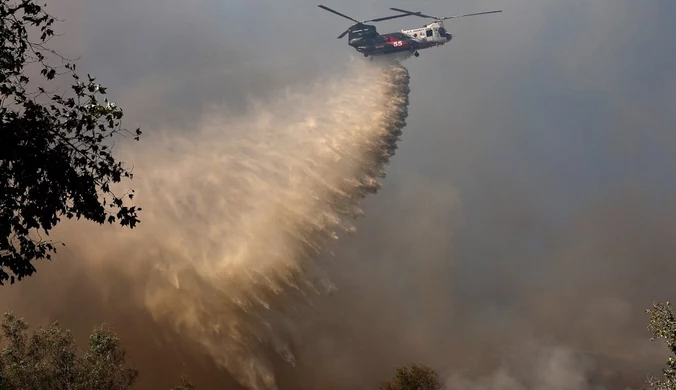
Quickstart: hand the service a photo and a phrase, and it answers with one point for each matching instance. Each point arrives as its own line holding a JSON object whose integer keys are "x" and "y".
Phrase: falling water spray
{"x": 237, "y": 213}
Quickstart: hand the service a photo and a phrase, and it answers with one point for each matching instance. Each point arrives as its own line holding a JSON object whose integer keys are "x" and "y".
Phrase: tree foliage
{"x": 184, "y": 385}
{"x": 663, "y": 326}
{"x": 55, "y": 149}
{"x": 50, "y": 360}
{"x": 415, "y": 377}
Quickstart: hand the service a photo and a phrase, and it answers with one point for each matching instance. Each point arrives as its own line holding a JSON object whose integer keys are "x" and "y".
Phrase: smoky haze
{"x": 525, "y": 223}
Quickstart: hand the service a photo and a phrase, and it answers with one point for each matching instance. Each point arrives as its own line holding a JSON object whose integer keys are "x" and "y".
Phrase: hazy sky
{"x": 533, "y": 187}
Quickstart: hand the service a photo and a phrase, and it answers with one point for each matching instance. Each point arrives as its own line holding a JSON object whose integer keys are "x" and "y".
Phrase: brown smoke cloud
{"x": 524, "y": 225}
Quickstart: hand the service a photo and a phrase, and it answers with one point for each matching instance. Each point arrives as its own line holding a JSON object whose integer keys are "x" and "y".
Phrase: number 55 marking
{"x": 398, "y": 43}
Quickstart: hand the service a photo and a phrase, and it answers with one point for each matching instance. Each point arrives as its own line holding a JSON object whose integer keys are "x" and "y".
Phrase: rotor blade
{"x": 343, "y": 34}
{"x": 412, "y": 13}
{"x": 479, "y": 13}
{"x": 389, "y": 17}
{"x": 337, "y": 13}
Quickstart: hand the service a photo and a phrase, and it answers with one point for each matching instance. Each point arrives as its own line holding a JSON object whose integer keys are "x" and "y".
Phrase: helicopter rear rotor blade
{"x": 337, "y": 13}
{"x": 361, "y": 23}
{"x": 344, "y": 33}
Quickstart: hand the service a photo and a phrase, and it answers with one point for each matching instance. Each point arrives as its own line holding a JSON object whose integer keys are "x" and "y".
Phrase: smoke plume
{"x": 525, "y": 224}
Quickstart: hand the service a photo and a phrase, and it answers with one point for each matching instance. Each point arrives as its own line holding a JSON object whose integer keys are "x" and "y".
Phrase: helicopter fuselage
{"x": 430, "y": 35}
{"x": 366, "y": 40}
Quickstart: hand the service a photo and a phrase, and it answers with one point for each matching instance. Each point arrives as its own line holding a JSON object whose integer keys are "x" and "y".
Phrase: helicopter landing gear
{"x": 416, "y": 54}
{"x": 366, "y": 54}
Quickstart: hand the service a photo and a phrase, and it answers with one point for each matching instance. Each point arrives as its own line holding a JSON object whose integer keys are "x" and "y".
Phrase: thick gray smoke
{"x": 237, "y": 213}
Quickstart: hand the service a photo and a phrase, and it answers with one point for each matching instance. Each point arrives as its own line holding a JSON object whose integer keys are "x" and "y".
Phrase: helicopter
{"x": 365, "y": 38}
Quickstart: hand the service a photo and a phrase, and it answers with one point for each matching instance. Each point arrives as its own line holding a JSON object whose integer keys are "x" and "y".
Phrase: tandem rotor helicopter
{"x": 366, "y": 39}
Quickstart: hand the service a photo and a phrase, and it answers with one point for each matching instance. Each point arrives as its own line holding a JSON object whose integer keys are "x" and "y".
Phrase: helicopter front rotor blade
{"x": 337, "y": 13}
{"x": 413, "y": 13}
{"x": 389, "y": 17}
{"x": 479, "y": 13}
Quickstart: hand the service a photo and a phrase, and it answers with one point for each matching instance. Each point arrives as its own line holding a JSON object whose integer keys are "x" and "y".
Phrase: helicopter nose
{"x": 449, "y": 36}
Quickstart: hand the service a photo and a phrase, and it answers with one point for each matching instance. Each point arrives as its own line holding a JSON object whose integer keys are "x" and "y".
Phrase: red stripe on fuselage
{"x": 395, "y": 42}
